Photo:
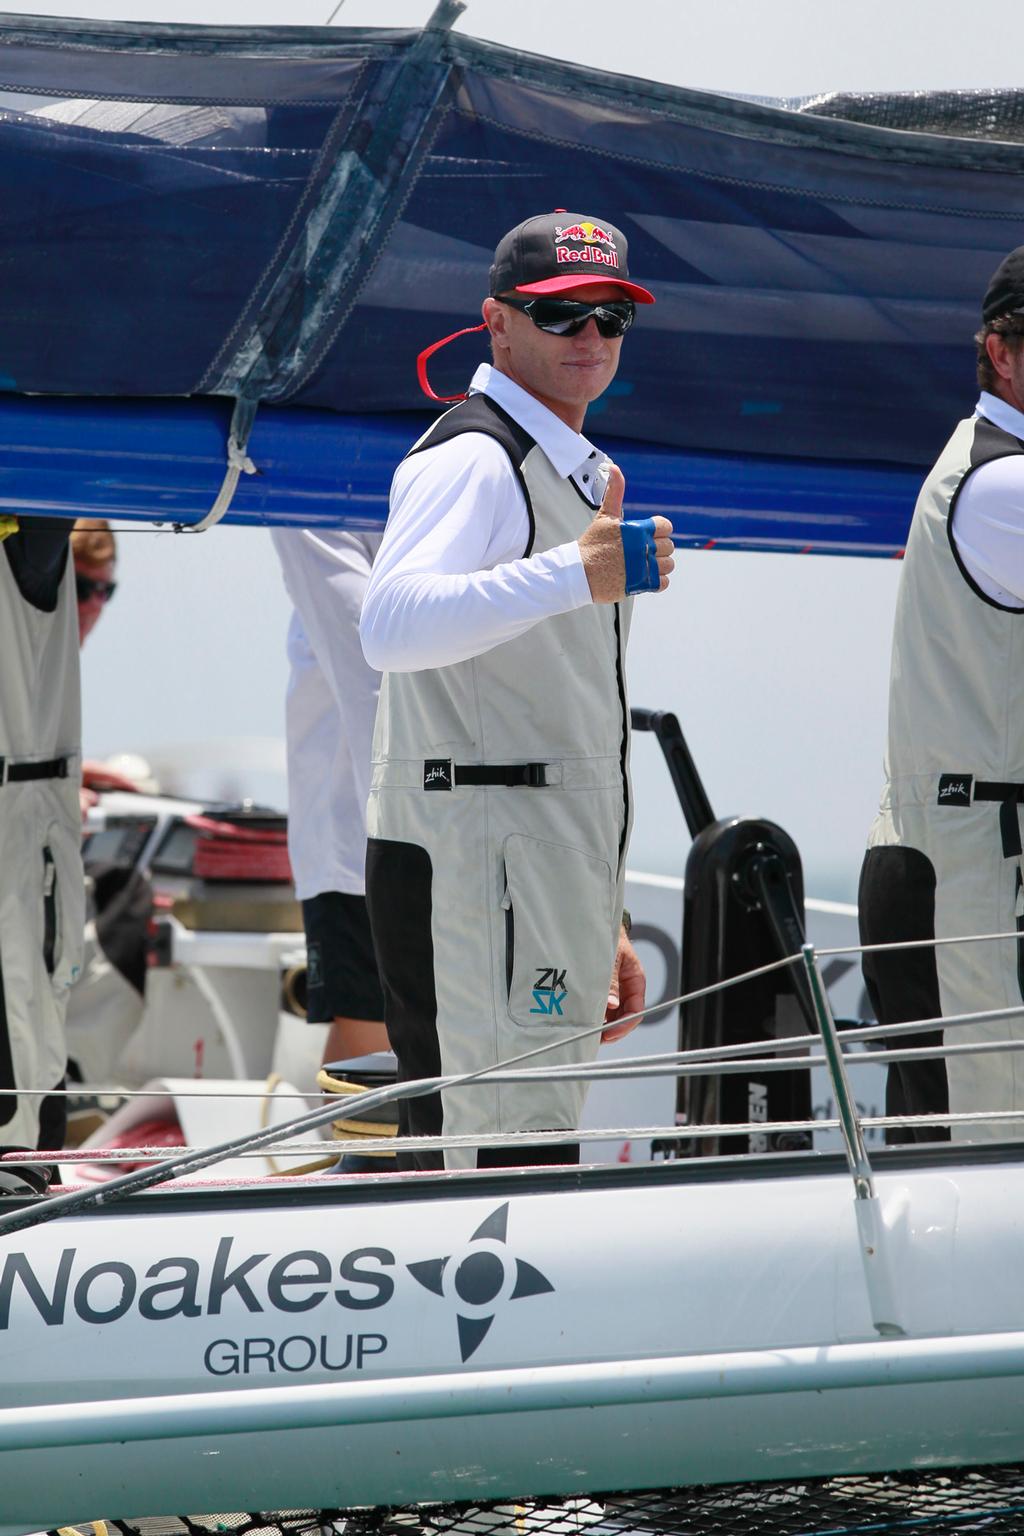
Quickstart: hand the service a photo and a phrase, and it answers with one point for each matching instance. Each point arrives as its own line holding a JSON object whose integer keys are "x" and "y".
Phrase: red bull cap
{"x": 559, "y": 250}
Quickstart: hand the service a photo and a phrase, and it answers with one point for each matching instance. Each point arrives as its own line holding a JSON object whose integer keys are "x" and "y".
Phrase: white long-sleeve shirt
{"x": 988, "y": 528}
{"x": 449, "y": 581}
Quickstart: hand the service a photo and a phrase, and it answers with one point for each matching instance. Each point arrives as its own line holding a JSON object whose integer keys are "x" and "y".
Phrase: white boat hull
{"x": 377, "y": 1342}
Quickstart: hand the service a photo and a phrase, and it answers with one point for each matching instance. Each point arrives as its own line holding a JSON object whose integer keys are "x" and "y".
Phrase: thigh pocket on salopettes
{"x": 557, "y": 941}
{"x": 63, "y": 897}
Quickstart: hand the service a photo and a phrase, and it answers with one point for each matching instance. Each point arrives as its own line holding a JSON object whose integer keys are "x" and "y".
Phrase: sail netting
{"x": 919, "y": 1503}
{"x": 256, "y": 230}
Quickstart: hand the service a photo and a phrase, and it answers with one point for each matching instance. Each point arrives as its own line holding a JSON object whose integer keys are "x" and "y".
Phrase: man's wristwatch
{"x": 627, "y": 921}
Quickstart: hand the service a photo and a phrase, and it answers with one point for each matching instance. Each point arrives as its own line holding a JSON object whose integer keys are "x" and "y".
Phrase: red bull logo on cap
{"x": 598, "y": 242}
{"x": 587, "y": 232}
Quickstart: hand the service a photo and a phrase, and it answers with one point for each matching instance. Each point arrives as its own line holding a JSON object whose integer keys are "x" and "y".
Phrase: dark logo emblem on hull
{"x": 479, "y": 1280}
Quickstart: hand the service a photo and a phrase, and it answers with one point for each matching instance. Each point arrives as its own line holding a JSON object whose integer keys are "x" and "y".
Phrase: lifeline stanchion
{"x": 853, "y": 1137}
{"x": 874, "y": 1250}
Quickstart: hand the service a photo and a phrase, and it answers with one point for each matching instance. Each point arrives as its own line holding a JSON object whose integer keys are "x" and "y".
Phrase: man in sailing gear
{"x": 944, "y": 855}
{"x": 94, "y": 553}
{"x": 107, "y": 1002}
{"x": 499, "y": 811}
{"x": 41, "y": 883}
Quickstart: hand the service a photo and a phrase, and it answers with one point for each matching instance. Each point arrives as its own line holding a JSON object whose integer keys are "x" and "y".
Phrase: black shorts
{"x": 341, "y": 968}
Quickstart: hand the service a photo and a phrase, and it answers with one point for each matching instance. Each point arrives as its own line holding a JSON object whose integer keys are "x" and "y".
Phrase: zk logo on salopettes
{"x": 549, "y": 991}
{"x": 480, "y": 1280}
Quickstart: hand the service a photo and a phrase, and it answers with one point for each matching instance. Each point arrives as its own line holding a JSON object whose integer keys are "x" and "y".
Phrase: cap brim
{"x": 588, "y": 280}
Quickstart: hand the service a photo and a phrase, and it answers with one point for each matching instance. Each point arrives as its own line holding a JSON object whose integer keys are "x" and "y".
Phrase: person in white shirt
{"x": 330, "y": 709}
{"x": 944, "y": 856}
{"x": 500, "y": 803}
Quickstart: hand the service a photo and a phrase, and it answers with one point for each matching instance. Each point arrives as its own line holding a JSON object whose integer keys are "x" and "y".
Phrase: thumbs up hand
{"x": 601, "y": 545}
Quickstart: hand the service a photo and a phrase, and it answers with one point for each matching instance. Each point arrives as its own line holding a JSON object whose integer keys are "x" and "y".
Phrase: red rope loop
{"x": 428, "y": 352}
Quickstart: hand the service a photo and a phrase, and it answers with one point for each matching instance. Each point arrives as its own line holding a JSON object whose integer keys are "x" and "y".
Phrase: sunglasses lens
{"x": 567, "y": 317}
{"x": 615, "y": 319}
{"x": 560, "y": 317}
{"x": 86, "y": 588}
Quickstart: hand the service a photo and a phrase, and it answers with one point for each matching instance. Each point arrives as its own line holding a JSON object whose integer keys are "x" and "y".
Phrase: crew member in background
{"x": 41, "y": 883}
{"x": 500, "y": 808}
{"x": 330, "y": 708}
{"x": 94, "y": 552}
{"x": 944, "y": 855}
{"x": 106, "y": 1003}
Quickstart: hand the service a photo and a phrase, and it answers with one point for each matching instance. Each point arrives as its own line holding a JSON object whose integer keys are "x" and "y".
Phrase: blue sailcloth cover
{"x": 249, "y": 234}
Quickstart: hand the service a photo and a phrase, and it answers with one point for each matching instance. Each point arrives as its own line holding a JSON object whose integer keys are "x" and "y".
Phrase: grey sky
{"x": 758, "y": 47}
{"x": 777, "y": 666}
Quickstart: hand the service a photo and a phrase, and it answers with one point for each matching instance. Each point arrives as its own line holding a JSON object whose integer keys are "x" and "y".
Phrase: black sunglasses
{"x": 88, "y": 586}
{"x": 567, "y": 317}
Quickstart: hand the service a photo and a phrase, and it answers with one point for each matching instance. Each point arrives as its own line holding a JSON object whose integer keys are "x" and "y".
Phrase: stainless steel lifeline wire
{"x": 173, "y": 1163}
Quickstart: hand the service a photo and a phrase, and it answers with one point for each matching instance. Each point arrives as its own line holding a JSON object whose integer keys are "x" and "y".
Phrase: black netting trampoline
{"x": 932, "y": 1503}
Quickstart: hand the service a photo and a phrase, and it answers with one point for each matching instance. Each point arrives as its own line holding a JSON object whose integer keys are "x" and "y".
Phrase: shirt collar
{"x": 1000, "y": 414}
{"x": 568, "y": 451}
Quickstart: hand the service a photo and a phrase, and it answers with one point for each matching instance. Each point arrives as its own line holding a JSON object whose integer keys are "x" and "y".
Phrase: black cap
{"x": 1005, "y": 293}
{"x": 553, "y": 251}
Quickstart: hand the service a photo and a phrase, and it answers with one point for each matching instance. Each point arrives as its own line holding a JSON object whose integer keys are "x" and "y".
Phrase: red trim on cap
{"x": 435, "y": 346}
{"x": 584, "y": 280}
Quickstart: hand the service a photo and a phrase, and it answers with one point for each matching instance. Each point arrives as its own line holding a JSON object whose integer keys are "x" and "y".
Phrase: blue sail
{"x": 254, "y": 232}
